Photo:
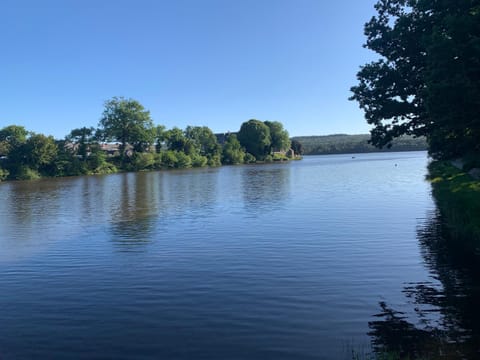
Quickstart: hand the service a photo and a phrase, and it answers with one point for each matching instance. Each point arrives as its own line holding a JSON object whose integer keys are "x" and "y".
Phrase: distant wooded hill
{"x": 345, "y": 144}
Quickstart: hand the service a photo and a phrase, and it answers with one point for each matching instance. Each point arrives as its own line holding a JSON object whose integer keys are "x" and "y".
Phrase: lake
{"x": 298, "y": 260}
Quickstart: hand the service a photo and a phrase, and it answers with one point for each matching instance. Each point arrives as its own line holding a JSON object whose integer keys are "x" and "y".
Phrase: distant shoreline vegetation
{"x": 350, "y": 144}
{"x": 127, "y": 140}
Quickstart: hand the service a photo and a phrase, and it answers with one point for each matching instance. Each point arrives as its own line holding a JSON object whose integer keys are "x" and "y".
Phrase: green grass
{"x": 458, "y": 198}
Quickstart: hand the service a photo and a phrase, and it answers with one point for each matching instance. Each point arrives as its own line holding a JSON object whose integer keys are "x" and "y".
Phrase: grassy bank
{"x": 458, "y": 197}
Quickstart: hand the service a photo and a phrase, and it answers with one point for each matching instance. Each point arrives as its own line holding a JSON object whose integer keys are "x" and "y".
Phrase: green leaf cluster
{"x": 26, "y": 155}
{"x": 127, "y": 121}
{"x": 263, "y": 138}
{"x": 233, "y": 153}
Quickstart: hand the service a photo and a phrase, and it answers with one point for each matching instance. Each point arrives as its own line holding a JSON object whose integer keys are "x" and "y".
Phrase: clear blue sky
{"x": 190, "y": 62}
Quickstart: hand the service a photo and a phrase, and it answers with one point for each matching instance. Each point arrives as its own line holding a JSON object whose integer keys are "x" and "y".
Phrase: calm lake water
{"x": 282, "y": 261}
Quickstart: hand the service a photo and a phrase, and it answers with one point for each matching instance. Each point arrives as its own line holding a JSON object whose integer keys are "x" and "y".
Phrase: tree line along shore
{"x": 354, "y": 144}
{"x": 127, "y": 140}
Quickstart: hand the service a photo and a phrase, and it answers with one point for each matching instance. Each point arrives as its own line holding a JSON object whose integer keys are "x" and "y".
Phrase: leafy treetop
{"x": 426, "y": 80}
{"x": 127, "y": 121}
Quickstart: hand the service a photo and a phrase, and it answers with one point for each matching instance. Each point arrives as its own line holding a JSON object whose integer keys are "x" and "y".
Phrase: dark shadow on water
{"x": 446, "y": 324}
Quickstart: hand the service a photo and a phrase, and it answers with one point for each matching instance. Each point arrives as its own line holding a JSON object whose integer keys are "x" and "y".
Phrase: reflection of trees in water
{"x": 265, "y": 186}
{"x": 449, "y": 316}
{"x": 35, "y": 201}
{"x": 133, "y": 215}
{"x": 394, "y": 333}
{"x": 29, "y": 216}
{"x": 191, "y": 191}
{"x": 143, "y": 200}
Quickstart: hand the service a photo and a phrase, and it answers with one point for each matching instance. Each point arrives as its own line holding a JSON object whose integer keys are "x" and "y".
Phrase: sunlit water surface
{"x": 278, "y": 261}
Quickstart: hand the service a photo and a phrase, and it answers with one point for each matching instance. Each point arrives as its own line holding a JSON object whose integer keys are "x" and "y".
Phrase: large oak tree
{"x": 127, "y": 121}
{"x": 426, "y": 80}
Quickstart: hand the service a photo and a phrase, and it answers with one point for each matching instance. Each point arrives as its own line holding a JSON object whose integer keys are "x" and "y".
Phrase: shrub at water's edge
{"x": 457, "y": 195}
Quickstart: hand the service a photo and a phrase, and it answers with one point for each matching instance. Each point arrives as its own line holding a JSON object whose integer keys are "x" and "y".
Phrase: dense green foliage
{"x": 177, "y": 141}
{"x": 263, "y": 139}
{"x": 11, "y": 137}
{"x": 297, "y": 146}
{"x": 83, "y": 138}
{"x": 279, "y": 137}
{"x": 348, "y": 144}
{"x": 426, "y": 81}
{"x": 233, "y": 153}
{"x": 128, "y": 140}
{"x": 254, "y": 135}
{"x": 126, "y": 121}
{"x": 26, "y": 155}
{"x": 458, "y": 198}
{"x": 206, "y": 144}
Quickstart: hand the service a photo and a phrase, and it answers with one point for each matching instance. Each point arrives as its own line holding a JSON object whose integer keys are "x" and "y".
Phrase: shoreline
{"x": 457, "y": 195}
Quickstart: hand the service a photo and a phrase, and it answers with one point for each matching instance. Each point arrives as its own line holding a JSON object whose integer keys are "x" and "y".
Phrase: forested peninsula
{"x": 350, "y": 144}
{"x": 128, "y": 140}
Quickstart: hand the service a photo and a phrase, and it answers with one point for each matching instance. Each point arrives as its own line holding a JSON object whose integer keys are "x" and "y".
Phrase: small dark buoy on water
{"x": 395, "y": 164}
